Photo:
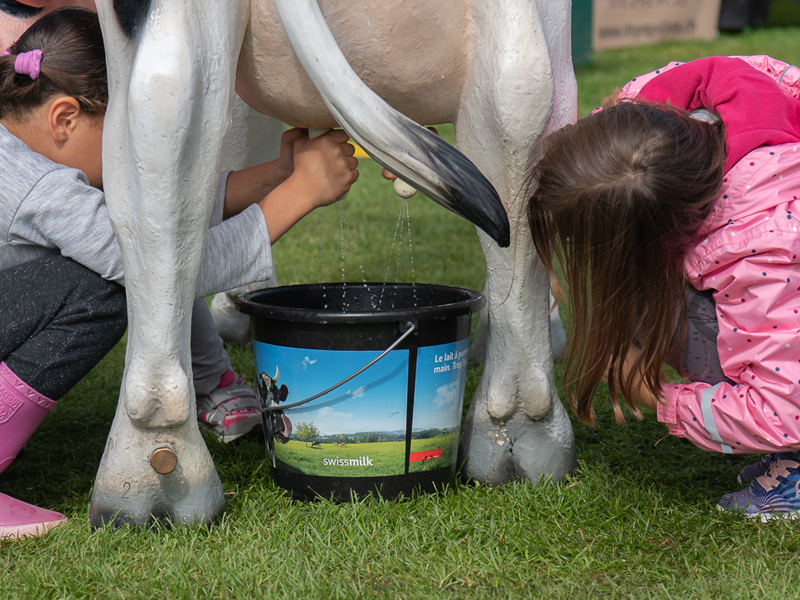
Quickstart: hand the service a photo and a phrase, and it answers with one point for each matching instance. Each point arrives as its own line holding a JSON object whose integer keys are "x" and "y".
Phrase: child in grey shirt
{"x": 62, "y": 302}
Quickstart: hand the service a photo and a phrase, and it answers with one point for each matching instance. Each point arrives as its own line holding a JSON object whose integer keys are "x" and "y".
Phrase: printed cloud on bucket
{"x": 448, "y": 395}
{"x": 357, "y": 393}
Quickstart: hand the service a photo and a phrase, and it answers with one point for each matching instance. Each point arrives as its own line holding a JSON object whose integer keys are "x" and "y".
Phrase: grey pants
{"x": 209, "y": 359}
{"x": 699, "y": 360}
{"x": 58, "y": 319}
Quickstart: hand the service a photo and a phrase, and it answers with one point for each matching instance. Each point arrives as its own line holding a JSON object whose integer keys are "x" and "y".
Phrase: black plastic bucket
{"x": 393, "y": 427}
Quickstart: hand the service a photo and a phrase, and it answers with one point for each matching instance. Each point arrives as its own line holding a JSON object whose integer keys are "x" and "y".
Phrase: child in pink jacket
{"x": 673, "y": 213}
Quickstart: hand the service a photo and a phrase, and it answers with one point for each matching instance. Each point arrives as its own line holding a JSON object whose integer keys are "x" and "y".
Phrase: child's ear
{"x": 63, "y": 117}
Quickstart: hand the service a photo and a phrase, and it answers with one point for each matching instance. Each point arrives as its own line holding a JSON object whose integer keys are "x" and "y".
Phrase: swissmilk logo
{"x": 361, "y": 461}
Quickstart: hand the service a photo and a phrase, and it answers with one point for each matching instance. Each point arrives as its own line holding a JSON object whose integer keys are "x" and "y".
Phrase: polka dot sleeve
{"x": 758, "y": 300}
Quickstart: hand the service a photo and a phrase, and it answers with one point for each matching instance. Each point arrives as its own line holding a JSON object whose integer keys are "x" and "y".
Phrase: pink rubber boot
{"x": 21, "y": 410}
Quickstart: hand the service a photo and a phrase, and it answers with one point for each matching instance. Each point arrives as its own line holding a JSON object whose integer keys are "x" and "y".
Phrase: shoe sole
{"x": 29, "y": 530}
{"x": 764, "y": 517}
{"x": 226, "y": 437}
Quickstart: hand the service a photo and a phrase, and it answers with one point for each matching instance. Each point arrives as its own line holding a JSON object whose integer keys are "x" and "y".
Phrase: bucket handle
{"x": 411, "y": 328}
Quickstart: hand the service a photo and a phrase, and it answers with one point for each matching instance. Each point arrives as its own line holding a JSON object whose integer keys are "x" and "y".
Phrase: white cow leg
{"x": 558, "y": 337}
{"x": 166, "y": 123}
{"x": 516, "y": 426}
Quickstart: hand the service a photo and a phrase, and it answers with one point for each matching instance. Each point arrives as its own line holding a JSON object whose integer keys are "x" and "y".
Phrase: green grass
{"x": 612, "y": 69}
{"x": 635, "y": 520}
{"x": 783, "y": 13}
{"x": 444, "y": 248}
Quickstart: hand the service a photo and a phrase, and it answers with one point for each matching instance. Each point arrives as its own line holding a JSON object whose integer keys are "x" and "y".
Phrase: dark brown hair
{"x": 620, "y": 194}
{"x": 73, "y": 64}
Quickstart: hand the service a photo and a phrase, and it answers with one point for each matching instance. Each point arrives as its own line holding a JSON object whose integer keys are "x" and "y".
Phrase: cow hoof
{"x": 520, "y": 448}
{"x": 514, "y": 385}
{"x": 149, "y": 477}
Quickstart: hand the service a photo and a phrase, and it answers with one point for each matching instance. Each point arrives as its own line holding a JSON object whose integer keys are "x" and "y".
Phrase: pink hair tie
{"x": 29, "y": 63}
{"x": 5, "y": 52}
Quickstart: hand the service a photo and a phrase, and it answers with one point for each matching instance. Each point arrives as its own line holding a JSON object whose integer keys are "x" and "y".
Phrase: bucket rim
{"x": 470, "y": 302}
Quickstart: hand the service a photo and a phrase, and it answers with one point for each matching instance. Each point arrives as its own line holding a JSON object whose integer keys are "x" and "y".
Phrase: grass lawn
{"x": 635, "y": 520}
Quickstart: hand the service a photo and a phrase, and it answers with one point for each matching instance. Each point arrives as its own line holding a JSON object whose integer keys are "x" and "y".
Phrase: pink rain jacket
{"x": 747, "y": 253}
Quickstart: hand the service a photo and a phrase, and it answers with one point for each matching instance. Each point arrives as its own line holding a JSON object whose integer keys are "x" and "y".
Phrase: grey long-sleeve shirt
{"x": 46, "y": 207}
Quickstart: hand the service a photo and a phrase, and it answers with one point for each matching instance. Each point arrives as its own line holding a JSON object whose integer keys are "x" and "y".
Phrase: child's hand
{"x": 324, "y": 167}
{"x": 641, "y": 394}
{"x": 286, "y": 157}
{"x": 323, "y": 171}
{"x": 248, "y": 186}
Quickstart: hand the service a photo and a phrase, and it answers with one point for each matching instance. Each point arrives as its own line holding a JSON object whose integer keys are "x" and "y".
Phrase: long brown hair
{"x": 73, "y": 64}
{"x": 620, "y": 194}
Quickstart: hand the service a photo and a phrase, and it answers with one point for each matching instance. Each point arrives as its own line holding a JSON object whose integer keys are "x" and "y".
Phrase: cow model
{"x": 500, "y": 70}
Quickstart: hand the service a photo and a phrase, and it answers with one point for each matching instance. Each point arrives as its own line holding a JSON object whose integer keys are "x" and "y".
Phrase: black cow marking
{"x": 131, "y": 15}
{"x": 463, "y": 189}
{"x": 18, "y": 10}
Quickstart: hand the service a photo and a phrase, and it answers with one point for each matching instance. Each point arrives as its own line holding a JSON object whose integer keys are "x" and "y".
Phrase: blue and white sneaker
{"x": 775, "y": 494}
{"x": 750, "y": 472}
{"x": 747, "y": 475}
